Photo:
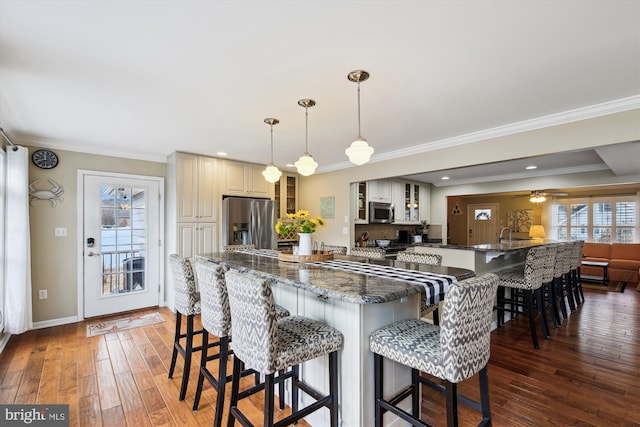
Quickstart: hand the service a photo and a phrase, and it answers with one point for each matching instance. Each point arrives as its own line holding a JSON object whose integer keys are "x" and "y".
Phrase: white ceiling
{"x": 142, "y": 79}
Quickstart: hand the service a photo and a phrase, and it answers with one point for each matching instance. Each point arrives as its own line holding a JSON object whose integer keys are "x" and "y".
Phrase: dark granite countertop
{"x": 336, "y": 284}
{"x": 504, "y": 246}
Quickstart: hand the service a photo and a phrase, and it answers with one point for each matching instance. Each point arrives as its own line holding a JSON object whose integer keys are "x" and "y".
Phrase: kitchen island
{"x": 485, "y": 258}
{"x": 356, "y": 296}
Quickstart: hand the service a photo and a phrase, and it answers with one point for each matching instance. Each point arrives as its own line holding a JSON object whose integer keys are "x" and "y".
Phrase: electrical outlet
{"x": 42, "y": 294}
{"x": 60, "y": 231}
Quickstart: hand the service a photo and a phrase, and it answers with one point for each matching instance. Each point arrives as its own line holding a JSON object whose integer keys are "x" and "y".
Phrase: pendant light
{"x": 306, "y": 165}
{"x": 272, "y": 173}
{"x": 359, "y": 152}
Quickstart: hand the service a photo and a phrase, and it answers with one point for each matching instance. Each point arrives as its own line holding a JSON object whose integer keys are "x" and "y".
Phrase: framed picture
{"x": 519, "y": 221}
{"x": 327, "y": 206}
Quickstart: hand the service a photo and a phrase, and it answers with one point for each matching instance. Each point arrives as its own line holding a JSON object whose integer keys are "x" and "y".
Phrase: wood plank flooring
{"x": 586, "y": 374}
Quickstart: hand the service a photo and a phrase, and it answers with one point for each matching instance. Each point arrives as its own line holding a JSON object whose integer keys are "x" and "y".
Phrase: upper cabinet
{"x": 245, "y": 179}
{"x": 361, "y": 207}
{"x": 379, "y": 190}
{"x": 408, "y": 199}
{"x": 286, "y": 195}
{"x": 196, "y": 194}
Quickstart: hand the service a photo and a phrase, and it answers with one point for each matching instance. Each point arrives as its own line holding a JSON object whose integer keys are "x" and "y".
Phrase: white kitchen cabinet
{"x": 197, "y": 238}
{"x": 407, "y": 198}
{"x": 195, "y": 184}
{"x": 361, "y": 205}
{"x": 379, "y": 190}
{"x": 245, "y": 179}
{"x": 286, "y": 195}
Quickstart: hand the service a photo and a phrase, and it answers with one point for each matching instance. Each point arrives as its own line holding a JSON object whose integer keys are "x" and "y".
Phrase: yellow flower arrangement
{"x": 301, "y": 222}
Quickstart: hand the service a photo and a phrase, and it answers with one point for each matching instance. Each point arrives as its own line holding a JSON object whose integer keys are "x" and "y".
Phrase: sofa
{"x": 623, "y": 259}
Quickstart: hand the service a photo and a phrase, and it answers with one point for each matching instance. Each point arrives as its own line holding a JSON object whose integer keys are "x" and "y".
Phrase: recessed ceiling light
{"x": 290, "y": 165}
{"x": 221, "y": 153}
{"x": 445, "y": 178}
{"x": 531, "y": 167}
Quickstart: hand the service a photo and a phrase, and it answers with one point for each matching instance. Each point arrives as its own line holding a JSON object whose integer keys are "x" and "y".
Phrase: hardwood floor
{"x": 586, "y": 374}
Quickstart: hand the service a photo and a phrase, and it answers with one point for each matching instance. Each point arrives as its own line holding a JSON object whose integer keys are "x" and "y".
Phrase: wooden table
{"x": 355, "y": 302}
{"x": 605, "y": 267}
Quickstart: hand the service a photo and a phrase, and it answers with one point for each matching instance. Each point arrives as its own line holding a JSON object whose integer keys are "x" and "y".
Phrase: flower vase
{"x": 304, "y": 244}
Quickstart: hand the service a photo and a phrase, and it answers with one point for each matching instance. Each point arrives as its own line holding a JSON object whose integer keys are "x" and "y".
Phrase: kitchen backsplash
{"x": 388, "y": 231}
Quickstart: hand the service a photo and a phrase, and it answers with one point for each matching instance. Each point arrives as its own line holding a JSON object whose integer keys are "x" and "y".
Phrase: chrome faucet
{"x": 502, "y": 232}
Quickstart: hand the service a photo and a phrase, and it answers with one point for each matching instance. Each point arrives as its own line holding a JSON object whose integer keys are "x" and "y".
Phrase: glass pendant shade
{"x": 359, "y": 152}
{"x": 306, "y": 165}
{"x": 271, "y": 173}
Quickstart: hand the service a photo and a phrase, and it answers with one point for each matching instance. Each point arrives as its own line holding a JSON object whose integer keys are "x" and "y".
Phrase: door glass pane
{"x": 123, "y": 239}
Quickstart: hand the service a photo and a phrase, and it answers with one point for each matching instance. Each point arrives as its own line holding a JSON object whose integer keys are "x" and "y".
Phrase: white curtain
{"x": 17, "y": 247}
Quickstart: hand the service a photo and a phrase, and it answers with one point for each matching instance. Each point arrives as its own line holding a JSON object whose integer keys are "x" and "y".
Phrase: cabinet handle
{"x": 324, "y": 297}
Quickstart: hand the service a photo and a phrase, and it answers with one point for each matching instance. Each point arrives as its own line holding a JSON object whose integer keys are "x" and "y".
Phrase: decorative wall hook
{"x": 54, "y": 195}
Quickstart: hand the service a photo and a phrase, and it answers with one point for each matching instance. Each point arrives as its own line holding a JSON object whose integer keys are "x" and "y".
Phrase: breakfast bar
{"x": 355, "y": 295}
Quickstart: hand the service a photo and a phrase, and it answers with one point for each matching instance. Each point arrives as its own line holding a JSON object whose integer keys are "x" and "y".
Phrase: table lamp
{"x": 537, "y": 232}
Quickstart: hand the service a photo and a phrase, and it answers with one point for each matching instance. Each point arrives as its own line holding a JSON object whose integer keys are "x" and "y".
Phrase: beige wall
{"x": 54, "y": 259}
{"x": 605, "y": 130}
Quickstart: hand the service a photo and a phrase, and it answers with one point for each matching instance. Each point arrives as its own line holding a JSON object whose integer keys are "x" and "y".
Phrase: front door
{"x": 482, "y": 223}
{"x": 121, "y": 243}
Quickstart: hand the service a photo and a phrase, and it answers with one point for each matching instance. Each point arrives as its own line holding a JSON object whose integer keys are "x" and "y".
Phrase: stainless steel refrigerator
{"x": 249, "y": 221}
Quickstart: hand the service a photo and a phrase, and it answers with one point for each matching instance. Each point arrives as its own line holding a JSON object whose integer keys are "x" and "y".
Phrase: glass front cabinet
{"x": 286, "y": 195}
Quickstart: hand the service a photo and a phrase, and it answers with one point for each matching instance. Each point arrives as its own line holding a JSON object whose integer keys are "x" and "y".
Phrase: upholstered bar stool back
{"x": 547, "y": 283}
{"x": 376, "y": 253}
{"x": 233, "y": 248}
{"x": 187, "y": 303}
{"x": 428, "y": 259}
{"x": 452, "y": 352}
{"x": 337, "y": 250}
{"x": 558, "y": 274}
{"x": 268, "y": 345}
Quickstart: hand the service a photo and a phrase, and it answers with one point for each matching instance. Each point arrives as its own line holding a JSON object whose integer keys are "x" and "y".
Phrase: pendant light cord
{"x": 272, "y": 144}
{"x": 306, "y": 130}
{"x": 359, "y": 132}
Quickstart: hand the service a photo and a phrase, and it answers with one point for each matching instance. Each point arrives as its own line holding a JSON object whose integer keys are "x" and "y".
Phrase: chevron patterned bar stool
{"x": 187, "y": 303}
{"x": 567, "y": 290}
{"x": 233, "y": 248}
{"x": 453, "y": 352}
{"x": 267, "y": 345}
{"x": 375, "y": 253}
{"x": 529, "y": 282}
{"x": 576, "y": 261}
{"x": 428, "y": 259}
{"x": 558, "y": 270}
{"x": 337, "y": 250}
{"x": 548, "y": 285}
{"x": 216, "y": 320}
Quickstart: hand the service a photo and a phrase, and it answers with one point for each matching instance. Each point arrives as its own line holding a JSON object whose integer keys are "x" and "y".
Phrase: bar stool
{"x": 576, "y": 261}
{"x": 376, "y": 253}
{"x": 187, "y": 303}
{"x": 216, "y": 320}
{"x": 428, "y": 259}
{"x": 548, "y": 284}
{"x": 452, "y": 352}
{"x": 529, "y": 282}
{"x": 337, "y": 250}
{"x": 267, "y": 345}
{"x": 567, "y": 290}
{"x": 558, "y": 270}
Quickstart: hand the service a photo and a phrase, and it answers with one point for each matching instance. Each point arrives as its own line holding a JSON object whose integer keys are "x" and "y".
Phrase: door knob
{"x": 93, "y": 254}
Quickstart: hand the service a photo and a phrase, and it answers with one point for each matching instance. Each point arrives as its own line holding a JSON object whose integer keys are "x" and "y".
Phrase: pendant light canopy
{"x": 306, "y": 165}
{"x": 272, "y": 173}
{"x": 359, "y": 152}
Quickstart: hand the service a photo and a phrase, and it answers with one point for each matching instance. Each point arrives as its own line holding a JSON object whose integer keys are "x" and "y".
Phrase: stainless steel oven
{"x": 381, "y": 213}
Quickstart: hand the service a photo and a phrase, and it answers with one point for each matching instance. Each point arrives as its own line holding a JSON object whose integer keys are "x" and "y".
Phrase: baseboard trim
{"x": 55, "y": 322}
{"x": 4, "y": 339}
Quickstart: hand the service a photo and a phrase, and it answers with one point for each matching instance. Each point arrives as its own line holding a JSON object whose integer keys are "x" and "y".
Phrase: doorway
{"x": 121, "y": 243}
{"x": 482, "y": 223}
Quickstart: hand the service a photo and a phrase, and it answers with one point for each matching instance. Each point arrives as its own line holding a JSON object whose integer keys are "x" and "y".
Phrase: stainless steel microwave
{"x": 381, "y": 213}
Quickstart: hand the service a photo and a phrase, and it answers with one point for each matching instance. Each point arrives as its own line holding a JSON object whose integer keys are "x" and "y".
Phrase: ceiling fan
{"x": 539, "y": 196}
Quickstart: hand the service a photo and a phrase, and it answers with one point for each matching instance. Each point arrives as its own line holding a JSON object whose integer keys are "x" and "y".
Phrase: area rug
{"x": 613, "y": 287}
{"x": 122, "y": 324}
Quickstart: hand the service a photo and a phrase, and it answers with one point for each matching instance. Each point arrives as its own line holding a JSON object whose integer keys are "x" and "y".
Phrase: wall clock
{"x": 44, "y": 159}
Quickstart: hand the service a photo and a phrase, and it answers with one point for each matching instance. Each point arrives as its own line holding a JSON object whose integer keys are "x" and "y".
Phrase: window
{"x": 601, "y": 220}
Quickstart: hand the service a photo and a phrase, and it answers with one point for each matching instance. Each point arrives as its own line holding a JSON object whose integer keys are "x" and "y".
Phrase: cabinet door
{"x": 361, "y": 205}
{"x": 258, "y": 185}
{"x": 187, "y": 187}
{"x": 397, "y": 198}
{"x": 187, "y": 239}
{"x": 207, "y": 238}
{"x": 197, "y": 239}
{"x": 380, "y": 190}
{"x": 234, "y": 178}
{"x": 207, "y": 179}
